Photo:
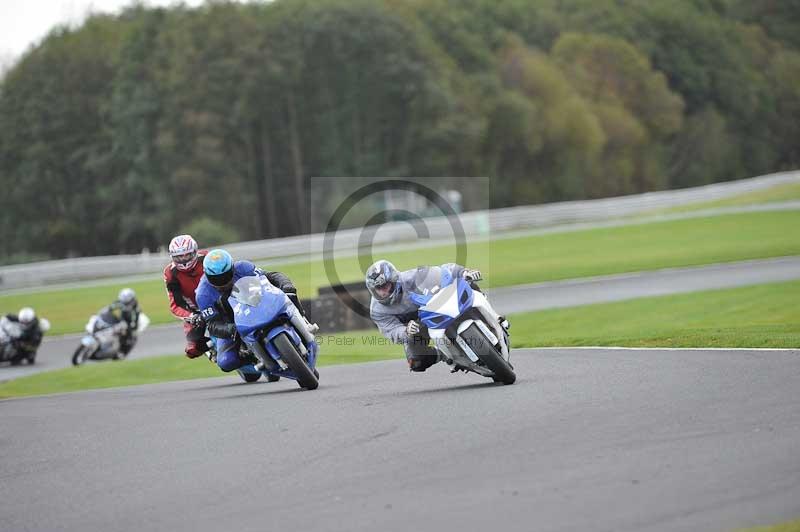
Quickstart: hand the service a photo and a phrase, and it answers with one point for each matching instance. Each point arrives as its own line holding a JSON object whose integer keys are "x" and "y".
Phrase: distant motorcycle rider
{"x": 23, "y": 332}
{"x": 221, "y": 273}
{"x": 182, "y": 277}
{"x": 123, "y": 315}
{"x": 396, "y": 315}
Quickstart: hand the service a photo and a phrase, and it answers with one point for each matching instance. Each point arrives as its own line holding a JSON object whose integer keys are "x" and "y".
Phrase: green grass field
{"x": 778, "y": 193}
{"x": 794, "y": 526}
{"x": 756, "y": 316}
{"x": 346, "y": 348}
{"x": 505, "y": 262}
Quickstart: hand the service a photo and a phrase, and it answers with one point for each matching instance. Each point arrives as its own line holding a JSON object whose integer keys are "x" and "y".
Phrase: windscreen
{"x": 247, "y": 291}
{"x": 429, "y": 280}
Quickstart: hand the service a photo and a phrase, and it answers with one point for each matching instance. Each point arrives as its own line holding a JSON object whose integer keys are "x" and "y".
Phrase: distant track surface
{"x": 56, "y": 352}
{"x": 616, "y": 440}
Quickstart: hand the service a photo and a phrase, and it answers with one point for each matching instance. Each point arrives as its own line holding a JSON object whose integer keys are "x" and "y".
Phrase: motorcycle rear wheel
{"x": 489, "y": 355}
{"x": 290, "y": 355}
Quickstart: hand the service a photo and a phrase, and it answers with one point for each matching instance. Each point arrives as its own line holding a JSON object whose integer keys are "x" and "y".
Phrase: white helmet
{"x": 183, "y": 250}
{"x": 127, "y": 297}
{"x": 26, "y": 316}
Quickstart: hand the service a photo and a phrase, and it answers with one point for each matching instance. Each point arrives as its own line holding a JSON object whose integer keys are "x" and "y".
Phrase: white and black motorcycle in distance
{"x": 101, "y": 341}
{"x": 463, "y": 326}
{"x": 10, "y": 333}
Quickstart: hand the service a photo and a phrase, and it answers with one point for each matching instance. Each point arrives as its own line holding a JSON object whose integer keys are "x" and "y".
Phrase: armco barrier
{"x": 474, "y": 223}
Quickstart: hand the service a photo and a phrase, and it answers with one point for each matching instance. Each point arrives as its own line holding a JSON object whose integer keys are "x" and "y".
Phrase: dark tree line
{"x": 118, "y": 134}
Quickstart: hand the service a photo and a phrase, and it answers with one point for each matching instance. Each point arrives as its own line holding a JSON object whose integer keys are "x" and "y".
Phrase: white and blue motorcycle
{"x": 462, "y": 325}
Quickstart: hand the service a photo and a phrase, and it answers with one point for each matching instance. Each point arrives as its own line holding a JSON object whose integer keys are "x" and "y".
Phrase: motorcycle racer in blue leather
{"x": 220, "y": 274}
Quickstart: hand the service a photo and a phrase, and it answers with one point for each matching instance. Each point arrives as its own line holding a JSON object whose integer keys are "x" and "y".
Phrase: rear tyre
{"x": 290, "y": 355}
{"x": 80, "y": 355}
{"x": 489, "y": 355}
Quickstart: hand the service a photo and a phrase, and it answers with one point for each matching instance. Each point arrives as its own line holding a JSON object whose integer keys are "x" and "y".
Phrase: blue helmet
{"x": 218, "y": 267}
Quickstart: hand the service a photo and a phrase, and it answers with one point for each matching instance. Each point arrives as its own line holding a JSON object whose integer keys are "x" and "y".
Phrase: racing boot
{"x": 419, "y": 363}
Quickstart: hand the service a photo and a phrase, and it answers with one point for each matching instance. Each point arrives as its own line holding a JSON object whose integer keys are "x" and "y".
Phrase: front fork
{"x": 270, "y": 363}
{"x": 481, "y": 303}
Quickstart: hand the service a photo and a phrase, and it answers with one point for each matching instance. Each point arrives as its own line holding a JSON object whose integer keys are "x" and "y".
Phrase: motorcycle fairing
{"x": 259, "y": 306}
{"x": 445, "y": 302}
{"x": 256, "y": 303}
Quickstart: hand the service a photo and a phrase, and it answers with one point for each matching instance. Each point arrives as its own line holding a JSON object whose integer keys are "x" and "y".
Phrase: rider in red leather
{"x": 182, "y": 276}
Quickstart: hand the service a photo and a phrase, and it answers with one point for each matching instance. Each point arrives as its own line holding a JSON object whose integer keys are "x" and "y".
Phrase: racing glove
{"x": 412, "y": 328}
{"x": 194, "y": 319}
{"x": 472, "y": 275}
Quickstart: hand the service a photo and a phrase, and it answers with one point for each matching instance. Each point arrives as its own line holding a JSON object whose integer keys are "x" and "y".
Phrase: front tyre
{"x": 290, "y": 355}
{"x": 489, "y": 355}
{"x": 81, "y": 355}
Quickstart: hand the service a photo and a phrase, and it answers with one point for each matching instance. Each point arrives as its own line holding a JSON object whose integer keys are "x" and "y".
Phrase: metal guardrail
{"x": 476, "y": 223}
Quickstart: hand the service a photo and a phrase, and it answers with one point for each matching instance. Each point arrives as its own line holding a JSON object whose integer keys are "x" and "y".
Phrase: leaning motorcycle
{"x": 102, "y": 340}
{"x": 274, "y": 331}
{"x": 14, "y": 350}
{"x": 462, "y": 325}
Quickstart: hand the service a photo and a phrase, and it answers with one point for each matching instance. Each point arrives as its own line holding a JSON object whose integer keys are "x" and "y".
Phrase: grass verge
{"x": 505, "y": 262}
{"x": 756, "y": 316}
{"x": 794, "y": 526}
{"x": 346, "y": 348}
{"x": 761, "y": 316}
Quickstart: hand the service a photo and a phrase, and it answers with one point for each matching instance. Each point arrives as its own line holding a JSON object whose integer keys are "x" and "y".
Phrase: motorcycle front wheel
{"x": 81, "y": 355}
{"x": 290, "y": 355}
{"x": 489, "y": 355}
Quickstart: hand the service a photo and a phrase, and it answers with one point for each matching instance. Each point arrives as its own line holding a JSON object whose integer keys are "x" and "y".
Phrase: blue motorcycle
{"x": 468, "y": 333}
{"x": 274, "y": 331}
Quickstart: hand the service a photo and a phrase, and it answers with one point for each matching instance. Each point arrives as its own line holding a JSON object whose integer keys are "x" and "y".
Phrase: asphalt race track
{"x": 601, "y": 440}
{"x": 56, "y": 352}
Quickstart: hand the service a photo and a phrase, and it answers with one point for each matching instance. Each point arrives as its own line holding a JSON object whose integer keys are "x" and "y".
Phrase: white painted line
{"x": 616, "y": 348}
